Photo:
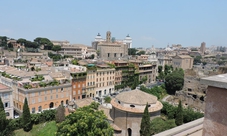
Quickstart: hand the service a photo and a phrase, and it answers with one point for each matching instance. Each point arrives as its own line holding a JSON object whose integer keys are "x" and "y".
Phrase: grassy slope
{"x": 44, "y": 129}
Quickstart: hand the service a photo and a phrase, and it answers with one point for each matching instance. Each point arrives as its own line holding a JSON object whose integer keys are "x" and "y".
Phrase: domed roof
{"x": 136, "y": 97}
{"x": 128, "y": 37}
{"x": 98, "y": 38}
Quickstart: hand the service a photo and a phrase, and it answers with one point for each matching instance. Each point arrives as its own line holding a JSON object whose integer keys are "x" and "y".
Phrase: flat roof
{"x": 216, "y": 81}
{"x": 4, "y": 88}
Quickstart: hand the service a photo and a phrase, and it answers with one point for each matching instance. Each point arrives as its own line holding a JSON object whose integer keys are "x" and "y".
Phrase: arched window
{"x": 129, "y": 132}
{"x": 40, "y": 108}
{"x": 67, "y": 102}
{"x": 51, "y": 105}
{"x": 62, "y": 103}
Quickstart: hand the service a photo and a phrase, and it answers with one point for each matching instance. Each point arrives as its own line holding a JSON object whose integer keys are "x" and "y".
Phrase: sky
{"x": 148, "y": 22}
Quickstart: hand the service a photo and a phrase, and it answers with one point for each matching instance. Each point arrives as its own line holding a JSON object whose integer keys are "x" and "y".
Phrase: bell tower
{"x": 108, "y": 36}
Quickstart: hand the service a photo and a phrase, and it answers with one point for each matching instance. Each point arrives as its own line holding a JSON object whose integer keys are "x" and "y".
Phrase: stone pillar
{"x": 215, "y": 120}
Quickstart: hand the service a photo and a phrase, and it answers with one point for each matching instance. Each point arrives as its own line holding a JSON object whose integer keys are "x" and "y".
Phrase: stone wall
{"x": 126, "y": 120}
{"x": 215, "y": 121}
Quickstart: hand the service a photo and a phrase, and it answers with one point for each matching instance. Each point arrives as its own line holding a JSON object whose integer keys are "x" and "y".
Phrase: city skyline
{"x": 157, "y": 23}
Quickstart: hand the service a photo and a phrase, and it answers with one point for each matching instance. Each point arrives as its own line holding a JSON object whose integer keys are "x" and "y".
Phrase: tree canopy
{"x": 44, "y": 42}
{"x": 174, "y": 81}
{"x": 56, "y": 48}
{"x": 159, "y": 124}
{"x": 132, "y": 51}
{"x": 85, "y": 121}
{"x": 141, "y": 53}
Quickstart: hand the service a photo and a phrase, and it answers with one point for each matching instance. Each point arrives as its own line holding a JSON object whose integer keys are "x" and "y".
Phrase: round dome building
{"x": 128, "y": 107}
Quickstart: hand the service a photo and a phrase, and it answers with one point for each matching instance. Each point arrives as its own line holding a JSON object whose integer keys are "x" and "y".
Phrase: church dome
{"x": 136, "y": 97}
{"x": 128, "y": 37}
{"x": 98, "y": 37}
{"x": 135, "y": 101}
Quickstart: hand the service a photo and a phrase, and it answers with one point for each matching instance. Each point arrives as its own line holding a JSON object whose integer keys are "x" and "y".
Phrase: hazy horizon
{"x": 157, "y": 23}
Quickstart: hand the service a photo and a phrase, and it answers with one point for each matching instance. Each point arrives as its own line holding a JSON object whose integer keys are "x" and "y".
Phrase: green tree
{"x": 159, "y": 69}
{"x": 141, "y": 53}
{"x": 60, "y": 114}
{"x": 158, "y": 125}
{"x": 26, "y": 117}
{"x": 44, "y": 42}
{"x": 3, "y": 121}
{"x": 168, "y": 69}
{"x": 190, "y": 115}
{"x": 10, "y": 46}
{"x": 161, "y": 75}
{"x": 21, "y": 41}
{"x": 56, "y": 48}
{"x": 145, "y": 126}
{"x": 132, "y": 51}
{"x": 174, "y": 81}
{"x": 197, "y": 59}
{"x": 144, "y": 79}
{"x": 107, "y": 99}
{"x": 85, "y": 121}
{"x": 3, "y": 41}
{"x": 74, "y": 62}
{"x": 179, "y": 114}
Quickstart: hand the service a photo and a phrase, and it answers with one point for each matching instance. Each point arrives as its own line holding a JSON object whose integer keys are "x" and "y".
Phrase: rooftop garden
{"x": 37, "y": 78}
{"x": 41, "y": 84}
{"x": 4, "y": 74}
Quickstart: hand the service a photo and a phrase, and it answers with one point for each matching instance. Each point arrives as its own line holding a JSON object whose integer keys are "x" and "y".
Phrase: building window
{"x": 51, "y": 97}
{"x": 45, "y": 98}
{"x": 39, "y": 93}
{"x": 56, "y": 96}
{"x": 6, "y": 104}
{"x": 88, "y": 84}
{"x": 40, "y": 99}
{"x": 56, "y": 90}
{"x": 61, "y": 89}
{"x": 78, "y": 91}
{"x": 74, "y": 92}
{"x": 74, "y": 86}
{"x": 33, "y": 101}
{"x": 108, "y": 54}
{"x": 6, "y": 95}
{"x": 40, "y": 108}
{"x": 45, "y": 92}
{"x": 115, "y": 54}
{"x": 51, "y": 91}
{"x": 33, "y": 110}
{"x": 104, "y": 91}
{"x": 132, "y": 106}
{"x": 78, "y": 85}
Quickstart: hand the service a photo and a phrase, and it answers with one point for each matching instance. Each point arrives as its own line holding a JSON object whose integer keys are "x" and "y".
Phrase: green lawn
{"x": 44, "y": 129}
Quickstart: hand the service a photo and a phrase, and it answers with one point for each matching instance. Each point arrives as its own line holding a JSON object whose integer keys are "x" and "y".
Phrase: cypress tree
{"x": 179, "y": 115}
{"x": 26, "y": 117}
{"x": 3, "y": 121}
{"x": 60, "y": 114}
{"x": 145, "y": 126}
